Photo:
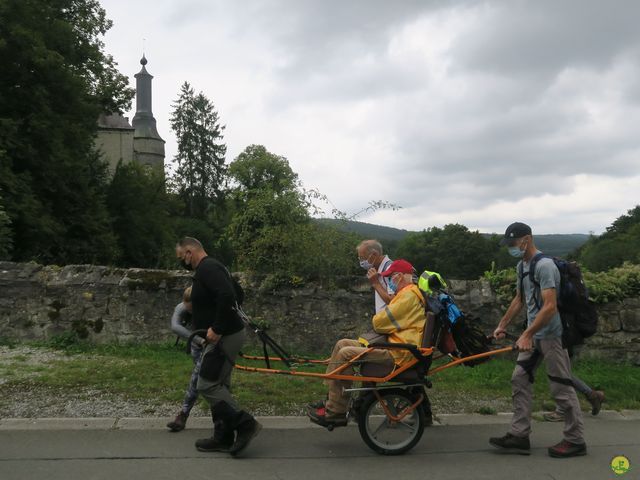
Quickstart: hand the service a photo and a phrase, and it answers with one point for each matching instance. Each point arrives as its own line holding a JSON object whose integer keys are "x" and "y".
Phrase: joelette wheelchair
{"x": 388, "y": 404}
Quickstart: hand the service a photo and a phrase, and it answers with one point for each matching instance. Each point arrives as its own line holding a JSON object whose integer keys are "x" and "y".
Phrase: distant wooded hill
{"x": 555, "y": 244}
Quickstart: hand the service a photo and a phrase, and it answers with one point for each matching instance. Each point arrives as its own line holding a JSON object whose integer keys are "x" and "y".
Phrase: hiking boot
{"x": 555, "y": 416}
{"x": 214, "y": 444}
{"x": 315, "y": 405}
{"x": 220, "y": 442}
{"x": 596, "y": 398}
{"x": 324, "y": 417}
{"x": 512, "y": 444}
{"x": 178, "y": 423}
{"x": 566, "y": 449}
{"x": 248, "y": 427}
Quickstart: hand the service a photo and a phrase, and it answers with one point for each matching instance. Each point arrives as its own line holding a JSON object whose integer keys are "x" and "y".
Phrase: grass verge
{"x": 162, "y": 371}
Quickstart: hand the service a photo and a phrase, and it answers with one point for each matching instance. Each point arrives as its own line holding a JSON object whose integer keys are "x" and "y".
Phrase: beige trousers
{"x": 345, "y": 350}
{"x": 558, "y": 367}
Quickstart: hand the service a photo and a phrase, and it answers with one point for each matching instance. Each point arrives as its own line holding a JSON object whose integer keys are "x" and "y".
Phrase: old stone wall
{"x": 106, "y": 304}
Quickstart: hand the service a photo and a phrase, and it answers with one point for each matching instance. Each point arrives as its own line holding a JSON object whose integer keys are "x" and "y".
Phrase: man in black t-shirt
{"x": 213, "y": 303}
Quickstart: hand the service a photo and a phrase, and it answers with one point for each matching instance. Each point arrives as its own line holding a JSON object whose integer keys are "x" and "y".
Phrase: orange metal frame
{"x": 336, "y": 374}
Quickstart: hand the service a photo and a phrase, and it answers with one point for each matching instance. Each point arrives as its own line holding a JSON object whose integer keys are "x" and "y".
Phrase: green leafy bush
{"x": 613, "y": 285}
{"x": 503, "y": 282}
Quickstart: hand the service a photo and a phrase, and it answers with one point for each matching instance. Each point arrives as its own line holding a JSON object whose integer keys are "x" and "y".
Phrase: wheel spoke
{"x": 384, "y": 423}
{"x": 384, "y": 435}
{"x": 404, "y": 425}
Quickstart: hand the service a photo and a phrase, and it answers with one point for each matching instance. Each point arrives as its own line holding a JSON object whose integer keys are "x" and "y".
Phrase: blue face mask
{"x": 393, "y": 286}
{"x": 516, "y": 252}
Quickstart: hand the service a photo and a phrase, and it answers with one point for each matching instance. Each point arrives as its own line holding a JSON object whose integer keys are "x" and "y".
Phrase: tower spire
{"x": 148, "y": 144}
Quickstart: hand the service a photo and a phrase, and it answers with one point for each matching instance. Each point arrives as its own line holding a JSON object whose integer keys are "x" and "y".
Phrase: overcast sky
{"x": 472, "y": 112}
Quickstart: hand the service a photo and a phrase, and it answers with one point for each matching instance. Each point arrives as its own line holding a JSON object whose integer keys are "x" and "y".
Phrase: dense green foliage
{"x": 612, "y": 285}
{"x": 271, "y": 230}
{"x": 554, "y": 244}
{"x": 615, "y": 284}
{"x": 138, "y": 204}
{"x": 55, "y": 81}
{"x": 453, "y": 251}
{"x": 561, "y": 245}
{"x": 619, "y": 244}
{"x": 5, "y": 233}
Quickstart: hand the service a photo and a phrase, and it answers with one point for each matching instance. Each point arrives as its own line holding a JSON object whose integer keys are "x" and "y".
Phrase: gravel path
{"x": 32, "y": 400}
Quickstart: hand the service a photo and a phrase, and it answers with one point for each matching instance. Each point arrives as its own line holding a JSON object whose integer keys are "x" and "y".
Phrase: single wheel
{"x": 384, "y": 435}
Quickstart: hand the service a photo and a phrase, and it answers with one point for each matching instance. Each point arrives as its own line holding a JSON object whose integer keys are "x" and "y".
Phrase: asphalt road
{"x": 281, "y": 452}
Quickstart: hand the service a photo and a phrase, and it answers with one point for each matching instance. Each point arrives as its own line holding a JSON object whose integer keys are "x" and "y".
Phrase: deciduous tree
{"x": 56, "y": 79}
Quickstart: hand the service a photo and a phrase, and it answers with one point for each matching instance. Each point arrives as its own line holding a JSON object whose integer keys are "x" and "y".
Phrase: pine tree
{"x": 200, "y": 174}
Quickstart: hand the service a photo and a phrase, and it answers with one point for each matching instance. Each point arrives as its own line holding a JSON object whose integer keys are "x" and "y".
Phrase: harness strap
{"x": 563, "y": 381}
{"x": 529, "y": 364}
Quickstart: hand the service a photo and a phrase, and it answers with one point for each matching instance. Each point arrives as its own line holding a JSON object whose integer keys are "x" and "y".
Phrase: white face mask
{"x": 365, "y": 264}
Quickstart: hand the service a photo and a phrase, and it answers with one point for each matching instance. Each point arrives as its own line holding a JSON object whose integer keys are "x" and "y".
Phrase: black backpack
{"x": 468, "y": 337}
{"x": 578, "y": 314}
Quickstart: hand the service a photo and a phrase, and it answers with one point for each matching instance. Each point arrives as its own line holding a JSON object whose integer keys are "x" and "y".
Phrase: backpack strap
{"x": 532, "y": 271}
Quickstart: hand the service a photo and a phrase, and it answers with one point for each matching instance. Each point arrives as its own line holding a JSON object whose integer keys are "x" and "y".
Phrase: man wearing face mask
{"x": 373, "y": 260}
{"x": 403, "y": 321}
{"x": 541, "y": 340}
{"x": 213, "y": 302}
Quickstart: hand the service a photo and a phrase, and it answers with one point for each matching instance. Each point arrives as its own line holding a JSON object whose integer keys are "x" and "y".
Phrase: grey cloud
{"x": 515, "y": 117}
{"x": 546, "y": 36}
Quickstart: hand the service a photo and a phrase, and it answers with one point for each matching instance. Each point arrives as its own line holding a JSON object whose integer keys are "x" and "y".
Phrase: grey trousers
{"x": 218, "y": 389}
{"x": 558, "y": 368}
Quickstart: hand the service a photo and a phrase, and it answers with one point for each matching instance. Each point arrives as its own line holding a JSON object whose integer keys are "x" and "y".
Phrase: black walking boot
{"x": 245, "y": 425}
{"x": 247, "y": 428}
{"x": 221, "y": 440}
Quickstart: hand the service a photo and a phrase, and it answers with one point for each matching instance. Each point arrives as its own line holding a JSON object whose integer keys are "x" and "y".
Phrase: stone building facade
{"x": 119, "y": 141}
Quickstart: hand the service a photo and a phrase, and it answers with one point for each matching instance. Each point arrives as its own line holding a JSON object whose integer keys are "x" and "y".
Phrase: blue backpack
{"x": 463, "y": 328}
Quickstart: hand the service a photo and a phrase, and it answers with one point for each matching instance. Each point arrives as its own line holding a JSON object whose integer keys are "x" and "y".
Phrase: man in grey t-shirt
{"x": 541, "y": 340}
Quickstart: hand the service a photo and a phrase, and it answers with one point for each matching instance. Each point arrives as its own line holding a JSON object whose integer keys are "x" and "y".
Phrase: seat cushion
{"x": 379, "y": 370}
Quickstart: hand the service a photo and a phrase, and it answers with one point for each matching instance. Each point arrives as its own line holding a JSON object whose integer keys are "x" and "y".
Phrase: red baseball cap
{"x": 398, "y": 266}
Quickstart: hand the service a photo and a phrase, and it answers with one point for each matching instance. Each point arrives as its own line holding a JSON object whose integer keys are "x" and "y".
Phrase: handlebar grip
{"x": 196, "y": 333}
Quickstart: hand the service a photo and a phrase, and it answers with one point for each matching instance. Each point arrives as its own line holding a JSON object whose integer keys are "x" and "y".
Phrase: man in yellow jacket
{"x": 403, "y": 321}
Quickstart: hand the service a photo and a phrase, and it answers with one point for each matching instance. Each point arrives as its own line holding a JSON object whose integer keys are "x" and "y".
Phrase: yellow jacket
{"x": 403, "y": 320}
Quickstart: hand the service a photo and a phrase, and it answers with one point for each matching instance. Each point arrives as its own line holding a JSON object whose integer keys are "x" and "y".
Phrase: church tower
{"x": 148, "y": 147}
